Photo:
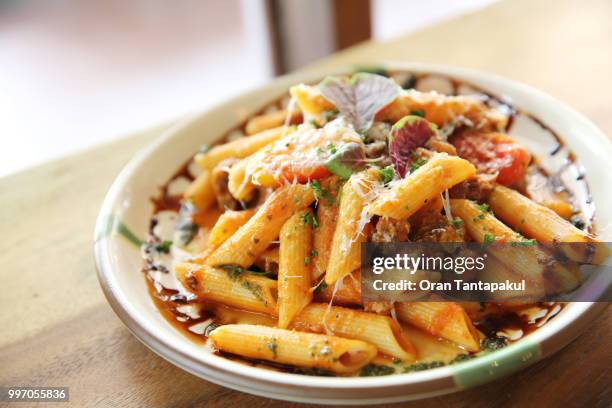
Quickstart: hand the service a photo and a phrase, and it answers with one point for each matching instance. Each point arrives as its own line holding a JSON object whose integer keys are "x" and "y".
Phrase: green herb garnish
{"x": 234, "y": 272}
{"x": 488, "y": 238}
{"x": 375, "y": 370}
{"x": 493, "y": 343}
{"x": 423, "y": 366}
{"x": 310, "y": 219}
{"x": 456, "y": 223}
{"x": 386, "y": 174}
{"x": 320, "y": 287}
{"x": 320, "y": 192}
{"x": 416, "y": 164}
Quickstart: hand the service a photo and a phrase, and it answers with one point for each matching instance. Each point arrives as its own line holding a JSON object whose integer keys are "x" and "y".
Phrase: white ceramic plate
{"x": 127, "y": 210}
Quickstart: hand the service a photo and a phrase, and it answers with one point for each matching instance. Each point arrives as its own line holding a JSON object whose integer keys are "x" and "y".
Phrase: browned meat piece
{"x": 477, "y": 188}
{"x": 387, "y": 230}
{"x": 440, "y": 230}
{"x": 390, "y": 230}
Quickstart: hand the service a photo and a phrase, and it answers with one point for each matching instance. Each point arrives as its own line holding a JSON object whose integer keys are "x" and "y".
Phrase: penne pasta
{"x": 440, "y": 173}
{"x": 232, "y": 287}
{"x": 345, "y": 252}
{"x": 381, "y": 331}
{"x": 444, "y": 319}
{"x": 271, "y": 120}
{"x": 238, "y": 148}
{"x": 261, "y": 255}
{"x": 252, "y": 239}
{"x": 306, "y": 350}
{"x": 239, "y": 185}
{"x": 541, "y": 223}
{"x": 327, "y": 216}
{"x": 200, "y": 191}
{"x": 310, "y": 100}
{"x": 441, "y": 109}
{"x": 529, "y": 262}
{"x": 228, "y": 223}
{"x": 294, "y": 267}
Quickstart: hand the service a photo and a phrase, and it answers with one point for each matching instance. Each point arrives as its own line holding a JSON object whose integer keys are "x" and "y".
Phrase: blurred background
{"x": 77, "y": 73}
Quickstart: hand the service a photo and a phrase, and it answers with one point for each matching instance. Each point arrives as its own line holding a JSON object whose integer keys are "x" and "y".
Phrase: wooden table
{"x": 56, "y": 328}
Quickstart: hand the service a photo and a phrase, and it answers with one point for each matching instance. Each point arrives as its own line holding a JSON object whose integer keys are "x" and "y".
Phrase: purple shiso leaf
{"x": 360, "y": 97}
{"x": 406, "y": 135}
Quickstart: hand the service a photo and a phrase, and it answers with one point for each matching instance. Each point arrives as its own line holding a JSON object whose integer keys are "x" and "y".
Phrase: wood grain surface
{"x": 57, "y": 330}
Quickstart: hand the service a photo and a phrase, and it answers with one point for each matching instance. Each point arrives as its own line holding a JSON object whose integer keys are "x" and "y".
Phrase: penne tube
{"x": 294, "y": 267}
{"x": 480, "y": 223}
{"x": 239, "y": 185}
{"x": 405, "y": 198}
{"x": 310, "y": 100}
{"x": 496, "y": 271}
{"x": 439, "y": 109}
{"x": 445, "y": 319}
{"x": 239, "y": 148}
{"x": 442, "y": 109}
{"x": 327, "y": 217}
{"x": 271, "y": 120}
{"x": 228, "y": 223}
{"x": 432, "y": 348}
{"x": 530, "y": 263}
{"x": 306, "y": 350}
{"x": 543, "y": 224}
{"x": 345, "y": 252}
{"x": 254, "y": 237}
{"x": 232, "y": 287}
{"x": 200, "y": 191}
{"x": 381, "y": 331}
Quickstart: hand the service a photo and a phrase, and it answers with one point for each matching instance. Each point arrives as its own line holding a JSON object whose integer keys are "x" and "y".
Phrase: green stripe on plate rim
{"x": 495, "y": 365}
{"x": 111, "y": 224}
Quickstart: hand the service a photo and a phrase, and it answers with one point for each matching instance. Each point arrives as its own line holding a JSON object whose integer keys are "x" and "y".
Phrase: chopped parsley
{"x": 484, "y": 207}
{"x": 320, "y": 287}
{"x": 386, "y": 174}
{"x": 493, "y": 343}
{"x": 423, "y": 366}
{"x": 456, "y": 223}
{"x": 418, "y": 112}
{"x": 331, "y": 148}
{"x": 320, "y": 192}
{"x": 488, "y": 238}
{"x": 185, "y": 227}
{"x": 234, "y": 272}
{"x": 306, "y": 260}
{"x": 523, "y": 242}
{"x": 460, "y": 358}
{"x": 310, "y": 219}
{"x": 314, "y": 124}
{"x": 375, "y": 370}
{"x": 417, "y": 163}
{"x": 163, "y": 247}
{"x": 314, "y": 253}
